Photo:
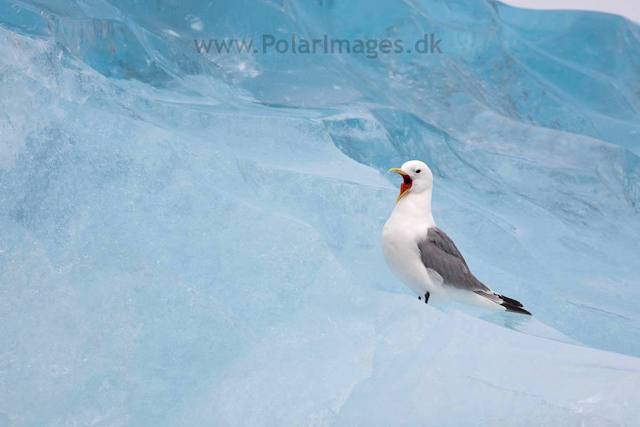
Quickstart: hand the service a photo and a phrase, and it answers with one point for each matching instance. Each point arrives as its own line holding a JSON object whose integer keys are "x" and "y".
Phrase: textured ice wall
{"x": 192, "y": 240}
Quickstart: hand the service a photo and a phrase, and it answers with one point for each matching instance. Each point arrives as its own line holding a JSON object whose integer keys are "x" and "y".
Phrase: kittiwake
{"x": 423, "y": 257}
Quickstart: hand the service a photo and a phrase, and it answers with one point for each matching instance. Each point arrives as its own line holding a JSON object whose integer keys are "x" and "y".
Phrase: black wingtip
{"x": 513, "y": 306}
{"x": 510, "y": 301}
{"x": 509, "y": 304}
{"x": 513, "y": 309}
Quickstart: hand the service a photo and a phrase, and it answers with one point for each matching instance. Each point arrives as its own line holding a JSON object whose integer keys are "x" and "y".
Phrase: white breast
{"x": 400, "y": 250}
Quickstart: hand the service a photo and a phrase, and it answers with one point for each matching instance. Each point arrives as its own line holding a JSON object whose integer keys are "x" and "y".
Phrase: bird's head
{"x": 417, "y": 178}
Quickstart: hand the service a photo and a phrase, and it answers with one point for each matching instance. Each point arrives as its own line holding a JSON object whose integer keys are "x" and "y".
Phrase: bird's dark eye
{"x": 418, "y": 171}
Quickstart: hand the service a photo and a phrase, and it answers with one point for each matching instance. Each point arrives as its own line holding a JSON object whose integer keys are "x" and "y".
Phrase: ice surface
{"x": 191, "y": 240}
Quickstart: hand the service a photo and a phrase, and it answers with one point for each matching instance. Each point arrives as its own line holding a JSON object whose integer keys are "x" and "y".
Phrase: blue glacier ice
{"x": 191, "y": 239}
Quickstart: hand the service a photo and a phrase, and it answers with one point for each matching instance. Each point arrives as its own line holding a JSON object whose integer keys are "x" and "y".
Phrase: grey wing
{"x": 440, "y": 254}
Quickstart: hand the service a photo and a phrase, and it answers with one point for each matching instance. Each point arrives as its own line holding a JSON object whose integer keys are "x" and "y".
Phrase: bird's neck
{"x": 416, "y": 206}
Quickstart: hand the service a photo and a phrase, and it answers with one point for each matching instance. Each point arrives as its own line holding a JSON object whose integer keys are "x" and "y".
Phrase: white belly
{"x": 400, "y": 250}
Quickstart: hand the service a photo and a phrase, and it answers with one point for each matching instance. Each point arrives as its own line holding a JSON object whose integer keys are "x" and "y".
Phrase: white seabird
{"x": 423, "y": 257}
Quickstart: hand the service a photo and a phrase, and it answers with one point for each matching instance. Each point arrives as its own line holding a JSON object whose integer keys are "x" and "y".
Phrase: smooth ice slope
{"x": 190, "y": 240}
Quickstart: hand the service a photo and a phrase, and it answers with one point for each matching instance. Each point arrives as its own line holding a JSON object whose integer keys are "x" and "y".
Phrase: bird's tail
{"x": 509, "y": 304}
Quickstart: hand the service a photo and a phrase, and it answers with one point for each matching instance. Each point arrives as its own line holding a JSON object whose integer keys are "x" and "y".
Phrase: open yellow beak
{"x": 405, "y": 186}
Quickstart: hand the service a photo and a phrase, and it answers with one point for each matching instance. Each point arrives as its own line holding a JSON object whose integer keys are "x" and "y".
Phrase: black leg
{"x": 420, "y": 298}
{"x": 426, "y": 298}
